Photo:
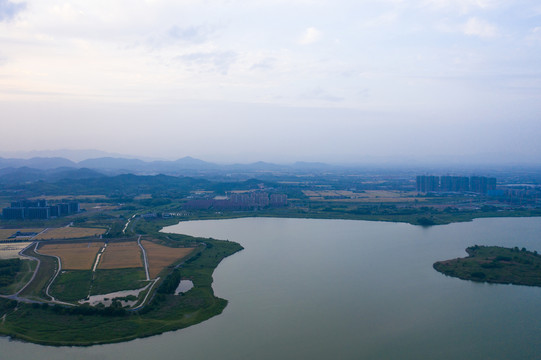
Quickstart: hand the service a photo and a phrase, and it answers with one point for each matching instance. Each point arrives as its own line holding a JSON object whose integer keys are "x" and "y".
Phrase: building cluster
{"x": 476, "y": 184}
{"x": 239, "y": 201}
{"x": 38, "y": 209}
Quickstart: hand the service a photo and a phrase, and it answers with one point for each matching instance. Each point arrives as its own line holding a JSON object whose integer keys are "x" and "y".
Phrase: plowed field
{"x": 121, "y": 255}
{"x": 160, "y": 256}
{"x": 75, "y": 256}
{"x": 69, "y": 233}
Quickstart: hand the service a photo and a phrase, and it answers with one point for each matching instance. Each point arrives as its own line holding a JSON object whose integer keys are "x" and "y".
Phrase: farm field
{"x": 6, "y": 233}
{"x": 159, "y": 256}
{"x": 74, "y": 256}
{"x": 68, "y": 197}
{"x": 69, "y": 233}
{"x": 97, "y": 207}
{"x": 11, "y": 250}
{"x": 375, "y": 200}
{"x": 119, "y": 255}
{"x": 368, "y": 196}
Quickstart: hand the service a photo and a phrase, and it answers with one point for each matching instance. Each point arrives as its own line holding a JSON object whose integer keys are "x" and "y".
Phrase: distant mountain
{"x": 25, "y": 175}
{"x": 72, "y": 174}
{"x": 20, "y": 175}
{"x": 114, "y": 163}
{"x": 73, "y": 155}
{"x": 186, "y": 166}
{"x": 37, "y": 163}
{"x": 189, "y": 162}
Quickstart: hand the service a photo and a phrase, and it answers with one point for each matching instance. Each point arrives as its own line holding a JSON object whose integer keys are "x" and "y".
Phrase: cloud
{"x": 215, "y": 61}
{"x": 310, "y": 35}
{"x": 534, "y": 36}
{"x": 464, "y": 6}
{"x": 8, "y": 9}
{"x": 192, "y": 34}
{"x": 382, "y": 20}
{"x": 478, "y": 27}
{"x": 265, "y": 64}
{"x": 320, "y": 94}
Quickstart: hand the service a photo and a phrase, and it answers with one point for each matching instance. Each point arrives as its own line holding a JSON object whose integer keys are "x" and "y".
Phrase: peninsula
{"x": 494, "y": 264}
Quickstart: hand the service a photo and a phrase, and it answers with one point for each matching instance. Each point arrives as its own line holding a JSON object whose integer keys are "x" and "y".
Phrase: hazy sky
{"x": 274, "y": 80}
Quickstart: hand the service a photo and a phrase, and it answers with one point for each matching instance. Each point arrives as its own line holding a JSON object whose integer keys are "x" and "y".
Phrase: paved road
{"x": 144, "y": 256}
{"x": 25, "y": 300}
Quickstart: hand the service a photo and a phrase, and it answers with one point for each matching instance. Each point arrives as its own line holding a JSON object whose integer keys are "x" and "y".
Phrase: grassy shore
{"x": 83, "y": 325}
{"x": 423, "y": 217}
{"x": 496, "y": 265}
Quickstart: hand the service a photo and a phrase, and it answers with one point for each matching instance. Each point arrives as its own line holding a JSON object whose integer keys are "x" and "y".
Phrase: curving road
{"x": 16, "y": 295}
{"x": 144, "y": 256}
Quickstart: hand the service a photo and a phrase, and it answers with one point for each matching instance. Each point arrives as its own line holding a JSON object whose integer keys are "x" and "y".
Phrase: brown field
{"x": 143, "y": 197}
{"x": 368, "y": 196}
{"x": 121, "y": 255}
{"x": 74, "y": 256}
{"x": 374, "y": 200}
{"x": 6, "y": 233}
{"x": 69, "y": 233}
{"x": 159, "y": 256}
{"x": 93, "y": 206}
{"x": 68, "y": 197}
{"x": 97, "y": 206}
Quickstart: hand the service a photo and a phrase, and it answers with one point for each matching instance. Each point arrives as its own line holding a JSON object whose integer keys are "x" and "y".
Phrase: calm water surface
{"x": 323, "y": 289}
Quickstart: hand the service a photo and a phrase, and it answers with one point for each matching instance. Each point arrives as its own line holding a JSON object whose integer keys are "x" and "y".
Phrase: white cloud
{"x": 534, "y": 36}
{"x": 382, "y": 20}
{"x": 9, "y": 9}
{"x": 310, "y": 35}
{"x": 463, "y": 6}
{"x": 479, "y": 27}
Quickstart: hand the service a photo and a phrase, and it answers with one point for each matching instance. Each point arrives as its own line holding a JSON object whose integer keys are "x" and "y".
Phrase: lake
{"x": 345, "y": 289}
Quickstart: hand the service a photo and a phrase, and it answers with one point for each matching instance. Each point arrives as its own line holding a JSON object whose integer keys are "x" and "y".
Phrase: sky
{"x": 298, "y": 80}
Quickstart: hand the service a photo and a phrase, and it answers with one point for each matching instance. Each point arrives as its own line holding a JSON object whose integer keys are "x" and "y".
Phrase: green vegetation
{"x": 170, "y": 283}
{"x": 495, "y": 264}
{"x": 107, "y": 281}
{"x": 72, "y": 285}
{"x": 86, "y": 325}
{"x": 14, "y": 274}
{"x": 423, "y": 216}
{"x": 47, "y": 268}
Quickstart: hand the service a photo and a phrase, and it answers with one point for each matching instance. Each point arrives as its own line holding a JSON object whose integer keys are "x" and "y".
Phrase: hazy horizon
{"x": 450, "y": 162}
{"x": 303, "y": 80}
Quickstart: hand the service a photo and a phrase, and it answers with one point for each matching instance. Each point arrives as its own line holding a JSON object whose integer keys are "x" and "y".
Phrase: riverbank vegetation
{"x": 494, "y": 264}
{"x": 14, "y": 274}
{"x": 164, "y": 311}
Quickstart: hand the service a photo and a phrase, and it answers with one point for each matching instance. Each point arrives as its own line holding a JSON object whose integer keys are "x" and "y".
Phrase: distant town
{"x": 39, "y": 209}
{"x": 459, "y": 184}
